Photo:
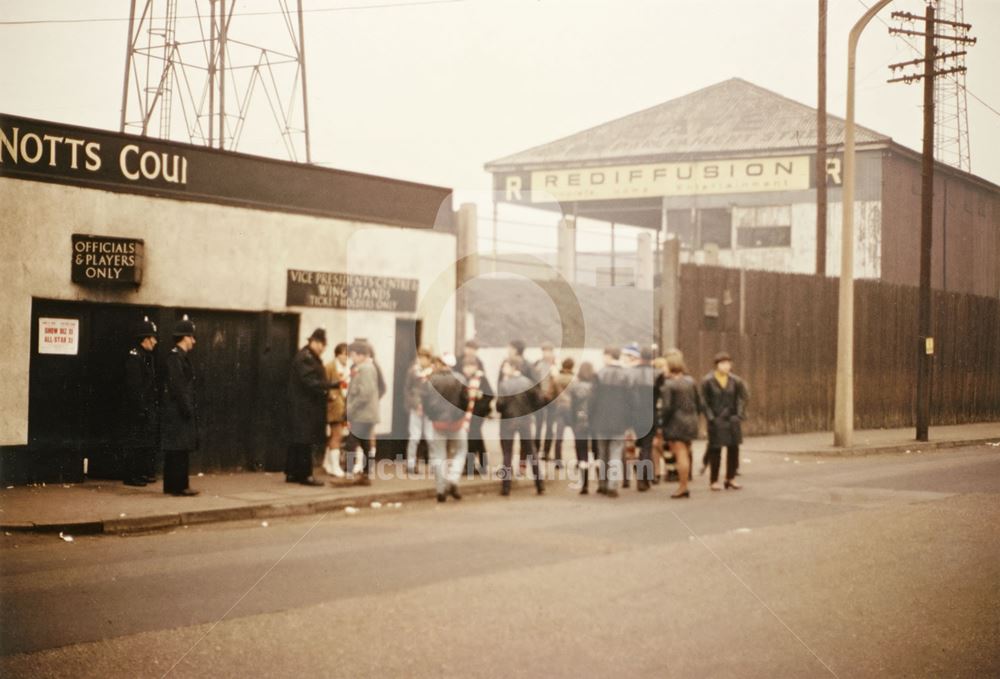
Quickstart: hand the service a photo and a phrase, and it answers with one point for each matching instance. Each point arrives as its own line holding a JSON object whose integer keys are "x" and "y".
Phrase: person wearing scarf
{"x": 480, "y": 398}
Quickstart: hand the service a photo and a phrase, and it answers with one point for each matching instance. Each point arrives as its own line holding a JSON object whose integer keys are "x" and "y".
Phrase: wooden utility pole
{"x": 821, "y": 144}
{"x": 925, "y": 344}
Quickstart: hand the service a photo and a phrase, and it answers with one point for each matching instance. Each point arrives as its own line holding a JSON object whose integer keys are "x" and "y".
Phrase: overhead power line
{"x": 316, "y": 10}
{"x": 919, "y": 51}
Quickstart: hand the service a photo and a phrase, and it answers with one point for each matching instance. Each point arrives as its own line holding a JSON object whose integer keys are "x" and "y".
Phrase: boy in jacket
{"x": 517, "y": 400}
{"x": 610, "y": 415}
{"x": 445, "y": 402}
{"x": 362, "y": 406}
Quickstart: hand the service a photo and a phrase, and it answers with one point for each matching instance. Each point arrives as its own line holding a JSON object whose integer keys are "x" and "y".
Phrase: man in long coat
{"x": 140, "y": 408}
{"x": 179, "y": 433}
{"x": 140, "y": 416}
{"x": 308, "y": 389}
{"x": 725, "y": 397}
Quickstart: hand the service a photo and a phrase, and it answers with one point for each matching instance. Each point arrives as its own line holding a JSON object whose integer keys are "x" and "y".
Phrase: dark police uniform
{"x": 179, "y": 433}
{"x": 140, "y": 413}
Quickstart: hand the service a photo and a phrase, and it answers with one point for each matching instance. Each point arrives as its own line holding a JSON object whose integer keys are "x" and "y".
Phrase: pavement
{"x": 104, "y": 506}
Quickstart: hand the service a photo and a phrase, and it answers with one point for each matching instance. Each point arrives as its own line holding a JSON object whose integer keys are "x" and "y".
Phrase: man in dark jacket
{"x": 445, "y": 401}
{"x": 471, "y": 351}
{"x": 517, "y": 399}
{"x": 609, "y": 418}
{"x": 308, "y": 389}
{"x": 643, "y": 392}
{"x": 725, "y": 397}
{"x": 179, "y": 434}
{"x": 141, "y": 409}
{"x": 515, "y": 349}
{"x": 480, "y": 396}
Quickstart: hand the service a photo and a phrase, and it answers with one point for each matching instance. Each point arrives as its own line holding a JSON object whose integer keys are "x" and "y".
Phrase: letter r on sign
{"x": 513, "y": 188}
{"x": 833, "y": 171}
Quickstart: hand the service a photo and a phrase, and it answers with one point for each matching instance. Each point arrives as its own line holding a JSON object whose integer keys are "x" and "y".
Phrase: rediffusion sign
{"x": 744, "y": 175}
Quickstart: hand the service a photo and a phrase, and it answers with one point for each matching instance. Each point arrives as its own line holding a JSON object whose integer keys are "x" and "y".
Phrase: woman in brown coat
{"x": 336, "y": 373}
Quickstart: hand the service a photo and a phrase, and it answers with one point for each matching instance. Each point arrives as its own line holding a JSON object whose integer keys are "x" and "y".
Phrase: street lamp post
{"x": 843, "y": 414}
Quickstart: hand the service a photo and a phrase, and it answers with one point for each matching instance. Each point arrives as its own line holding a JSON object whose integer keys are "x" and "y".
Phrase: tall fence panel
{"x": 782, "y": 332}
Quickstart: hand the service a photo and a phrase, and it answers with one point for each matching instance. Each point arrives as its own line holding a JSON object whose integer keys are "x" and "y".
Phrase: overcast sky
{"x": 430, "y": 92}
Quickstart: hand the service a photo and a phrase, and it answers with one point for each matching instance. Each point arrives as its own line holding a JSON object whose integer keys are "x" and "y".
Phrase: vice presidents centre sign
{"x": 350, "y": 291}
{"x": 791, "y": 173}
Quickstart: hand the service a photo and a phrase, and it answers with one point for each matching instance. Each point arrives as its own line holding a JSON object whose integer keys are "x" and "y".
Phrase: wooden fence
{"x": 781, "y": 330}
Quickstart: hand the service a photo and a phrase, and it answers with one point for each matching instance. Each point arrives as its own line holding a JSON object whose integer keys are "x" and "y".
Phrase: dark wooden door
{"x": 241, "y": 364}
{"x": 407, "y": 340}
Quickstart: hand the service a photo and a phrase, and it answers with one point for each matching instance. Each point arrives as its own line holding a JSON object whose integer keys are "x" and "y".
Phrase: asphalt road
{"x": 881, "y": 566}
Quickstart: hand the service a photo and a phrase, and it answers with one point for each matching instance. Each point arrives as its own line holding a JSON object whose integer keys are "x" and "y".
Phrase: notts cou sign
{"x": 105, "y": 260}
{"x": 350, "y": 291}
{"x": 48, "y": 152}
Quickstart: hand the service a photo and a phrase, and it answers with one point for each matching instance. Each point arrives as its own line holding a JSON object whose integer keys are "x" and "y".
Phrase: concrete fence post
{"x": 670, "y": 294}
{"x": 467, "y": 268}
{"x": 567, "y": 248}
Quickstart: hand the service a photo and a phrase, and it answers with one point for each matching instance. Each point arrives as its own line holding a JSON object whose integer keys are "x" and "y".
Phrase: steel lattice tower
{"x": 951, "y": 117}
{"x": 195, "y": 71}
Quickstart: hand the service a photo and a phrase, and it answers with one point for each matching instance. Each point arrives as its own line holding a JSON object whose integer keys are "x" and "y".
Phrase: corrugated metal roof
{"x": 730, "y": 117}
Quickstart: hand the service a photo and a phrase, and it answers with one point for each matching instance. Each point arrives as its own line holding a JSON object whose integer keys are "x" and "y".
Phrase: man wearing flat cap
{"x": 725, "y": 396}
{"x": 140, "y": 408}
{"x": 308, "y": 389}
{"x": 179, "y": 435}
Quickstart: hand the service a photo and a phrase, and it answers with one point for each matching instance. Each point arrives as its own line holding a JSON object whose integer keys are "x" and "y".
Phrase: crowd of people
{"x": 633, "y": 419}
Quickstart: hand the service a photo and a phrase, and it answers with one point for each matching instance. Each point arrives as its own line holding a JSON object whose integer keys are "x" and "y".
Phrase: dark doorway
{"x": 74, "y": 401}
{"x": 408, "y": 333}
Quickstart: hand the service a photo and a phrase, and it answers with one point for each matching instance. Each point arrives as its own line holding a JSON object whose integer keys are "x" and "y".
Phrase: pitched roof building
{"x": 730, "y": 170}
{"x": 733, "y": 116}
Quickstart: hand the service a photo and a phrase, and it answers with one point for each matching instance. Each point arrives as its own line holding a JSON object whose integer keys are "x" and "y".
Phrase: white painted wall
{"x": 800, "y": 257}
{"x": 200, "y": 255}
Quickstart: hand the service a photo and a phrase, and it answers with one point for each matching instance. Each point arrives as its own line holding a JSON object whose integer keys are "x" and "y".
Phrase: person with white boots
{"x": 362, "y": 409}
{"x": 338, "y": 374}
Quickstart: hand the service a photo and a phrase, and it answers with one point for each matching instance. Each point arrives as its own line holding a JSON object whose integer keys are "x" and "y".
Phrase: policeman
{"x": 180, "y": 416}
{"x": 141, "y": 416}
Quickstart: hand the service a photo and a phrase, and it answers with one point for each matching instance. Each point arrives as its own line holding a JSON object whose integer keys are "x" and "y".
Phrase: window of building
{"x": 764, "y": 227}
{"x": 696, "y": 228}
{"x": 681, "y": 224}
{"x": 716, "y": 227}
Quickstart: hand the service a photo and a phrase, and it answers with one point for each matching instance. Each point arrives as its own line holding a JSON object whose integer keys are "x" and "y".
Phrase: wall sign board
{"x": 102, "y": 260}
{"x": 67, "y": 154}
{"x": 59, "y": 336}
{"x": 350, "y": 291}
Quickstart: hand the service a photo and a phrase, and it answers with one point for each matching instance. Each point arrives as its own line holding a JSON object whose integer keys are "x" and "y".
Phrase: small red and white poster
{"x": 59, "y": 336}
